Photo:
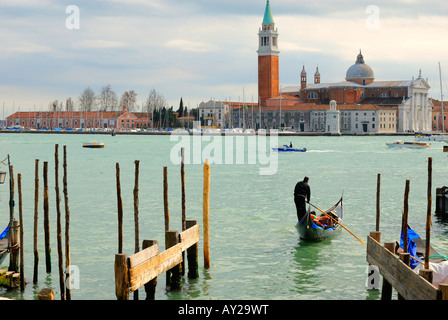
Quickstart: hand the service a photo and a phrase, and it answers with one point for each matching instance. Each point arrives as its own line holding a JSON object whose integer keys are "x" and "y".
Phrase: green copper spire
{"x": 268, "y": 15}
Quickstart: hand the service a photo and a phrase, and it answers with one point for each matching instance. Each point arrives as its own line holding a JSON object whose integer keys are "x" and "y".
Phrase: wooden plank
{"x": 384, "y": 259}
{"x": 143, "y": 255}
{"x": 411, "y": 286}
{"x": 407, "y": 283}
{"x": 189, "y": 237}
{"x": 148, "y": 270}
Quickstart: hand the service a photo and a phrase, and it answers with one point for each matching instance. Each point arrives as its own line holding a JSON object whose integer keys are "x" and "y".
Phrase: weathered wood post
{"x": 377, "y": 234}
{"x": 136, "y": 222}
{"x": 46, "y": 221}
{"x": 68, "y": 291}
{"x": 46, "y": 294}
{"x": 386, "y": 291}
{"x": 404, "y": 222}
{"x": 58, "y": 222}
{"x": 166, "y": 215}
{"x": 205, "y": 214}
{"x": 120, "y": 209}
{"x": 192, "y": 254}
{"x": 22, "y": 268}
{"x": 121, "y": 277}
{"x": 173, "y": 275}
{"x": 184, "y": 218}
{"x": 14, "y": 254}
{"x": 426, "y": 272}
{"x": 150, "y": 286}
{"x": 36, "y": 220}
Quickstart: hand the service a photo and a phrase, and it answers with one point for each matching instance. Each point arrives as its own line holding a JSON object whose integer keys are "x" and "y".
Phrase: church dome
{"x": 360, "y": 70}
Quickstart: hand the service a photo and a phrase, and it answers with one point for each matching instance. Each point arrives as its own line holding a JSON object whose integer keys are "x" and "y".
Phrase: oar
{"x": 337, "y": 222}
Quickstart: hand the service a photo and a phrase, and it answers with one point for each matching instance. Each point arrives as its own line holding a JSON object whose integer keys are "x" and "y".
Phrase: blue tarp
{"x": 4, "y": 233}
{"x": 412, "y": 246}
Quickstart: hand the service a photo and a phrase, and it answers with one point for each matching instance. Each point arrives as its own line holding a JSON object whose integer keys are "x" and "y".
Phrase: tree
{"x": 87, "y": 100}
{"x": 128, "y": 99}
{"x": 107, "y": 99}
{"x": 54, "y": 106}
{"x": 180, "y": 111}
{"x": 69, "y": 104}
{"x": 155, "y": 101}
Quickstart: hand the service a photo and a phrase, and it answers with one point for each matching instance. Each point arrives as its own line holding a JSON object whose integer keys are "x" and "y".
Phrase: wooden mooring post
{"x": 395, "y": 268}
{"x": 143, "y": 267}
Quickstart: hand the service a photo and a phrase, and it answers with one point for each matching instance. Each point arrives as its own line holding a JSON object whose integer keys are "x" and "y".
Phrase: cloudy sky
{"x": 206, "y": 49}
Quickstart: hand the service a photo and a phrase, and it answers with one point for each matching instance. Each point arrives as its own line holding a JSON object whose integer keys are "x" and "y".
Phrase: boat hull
{"x": 93, "y": 145}
{"x": 409, "y": 145}
{"x": 288, "y": 149}
{"x": 309, "y": 231}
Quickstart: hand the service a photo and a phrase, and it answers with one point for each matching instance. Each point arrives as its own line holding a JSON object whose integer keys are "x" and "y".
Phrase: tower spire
{"x": 268, "y": 19}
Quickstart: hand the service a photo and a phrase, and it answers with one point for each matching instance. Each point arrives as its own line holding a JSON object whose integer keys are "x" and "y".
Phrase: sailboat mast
{"x": 441, "y": 99}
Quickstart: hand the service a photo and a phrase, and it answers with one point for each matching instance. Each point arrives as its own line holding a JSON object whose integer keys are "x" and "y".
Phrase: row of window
{"x": 313, "y": 95}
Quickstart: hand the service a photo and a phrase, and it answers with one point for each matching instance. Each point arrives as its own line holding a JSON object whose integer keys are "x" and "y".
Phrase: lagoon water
{"x": 255, "y": 251}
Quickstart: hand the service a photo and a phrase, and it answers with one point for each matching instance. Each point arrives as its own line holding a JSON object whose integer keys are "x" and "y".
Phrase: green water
{"x": 255, "y": 251}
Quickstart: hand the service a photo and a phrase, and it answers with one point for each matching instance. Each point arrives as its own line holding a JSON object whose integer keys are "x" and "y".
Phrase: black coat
{"x": 302, "y": 189}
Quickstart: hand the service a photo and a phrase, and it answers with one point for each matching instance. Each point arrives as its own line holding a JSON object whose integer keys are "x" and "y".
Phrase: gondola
{"x": 311, "y": 230}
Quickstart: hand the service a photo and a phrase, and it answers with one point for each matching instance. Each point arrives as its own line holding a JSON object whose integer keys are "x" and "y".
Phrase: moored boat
{"x": 4, "y": 244}
{"x": 318, "y": 228}
{"x": 420, "y": 136}
{"x": 410, "y": 145}
{"x": 286, "y": 148}
{"x": 93, "y": 145}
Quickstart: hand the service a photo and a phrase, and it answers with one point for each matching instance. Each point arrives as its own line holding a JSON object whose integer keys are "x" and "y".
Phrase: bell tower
{"x": 268, "y": 73}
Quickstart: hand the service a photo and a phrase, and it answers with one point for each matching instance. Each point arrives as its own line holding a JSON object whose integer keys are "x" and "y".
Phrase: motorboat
{"x": 93, "y": 145}
{"x": 410, "y": 145}
{"x": 419, "y": 136}
{"x": 286, "y": 148}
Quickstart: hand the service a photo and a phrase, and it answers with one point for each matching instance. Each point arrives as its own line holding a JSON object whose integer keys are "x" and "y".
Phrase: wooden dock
{"x": 132, "y": 273}
{"x": 395, "y": 268}
{"x": 398, "y": 275}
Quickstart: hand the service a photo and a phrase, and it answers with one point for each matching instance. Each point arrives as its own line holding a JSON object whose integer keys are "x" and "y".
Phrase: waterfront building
{"x": 120, "y": 120}
{"x": 439, "y": 118}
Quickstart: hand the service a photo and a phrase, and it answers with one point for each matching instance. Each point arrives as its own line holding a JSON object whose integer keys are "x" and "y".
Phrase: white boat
{"x": 212, "y": 131}
{"x": 410, "y": 145}
{"x": 419, "y": 136}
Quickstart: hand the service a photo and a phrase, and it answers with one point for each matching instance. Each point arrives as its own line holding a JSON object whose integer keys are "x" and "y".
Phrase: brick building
{"x": 120, "y": 120}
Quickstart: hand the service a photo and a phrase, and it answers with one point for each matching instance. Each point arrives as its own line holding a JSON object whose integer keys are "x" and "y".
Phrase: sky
{"x": 199, "y": 50}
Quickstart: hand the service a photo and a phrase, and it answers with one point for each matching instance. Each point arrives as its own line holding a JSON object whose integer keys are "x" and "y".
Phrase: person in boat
{"x": 290, "y": 144}
{"x": 302, "y": 195}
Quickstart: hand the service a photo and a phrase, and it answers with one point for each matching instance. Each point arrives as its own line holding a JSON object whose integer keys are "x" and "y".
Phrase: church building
{"x": 360, "y": 91}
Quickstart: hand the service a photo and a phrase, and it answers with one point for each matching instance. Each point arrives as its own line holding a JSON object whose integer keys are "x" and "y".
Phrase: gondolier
{"x": 302, "y": 195}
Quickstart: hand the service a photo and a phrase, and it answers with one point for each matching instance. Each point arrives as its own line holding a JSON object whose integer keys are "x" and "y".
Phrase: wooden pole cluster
{"x": 399, "y": 275}
{"x": 142, "y": 268}
{"x": 64, "y": 276}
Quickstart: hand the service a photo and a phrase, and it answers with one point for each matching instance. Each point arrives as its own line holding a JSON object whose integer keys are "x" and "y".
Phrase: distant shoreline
{"x": 164, "y": 133}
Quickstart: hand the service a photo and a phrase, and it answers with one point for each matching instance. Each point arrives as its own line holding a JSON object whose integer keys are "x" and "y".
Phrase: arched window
{"x": 312, "y": 95}
{"x": 384, "y": 95}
